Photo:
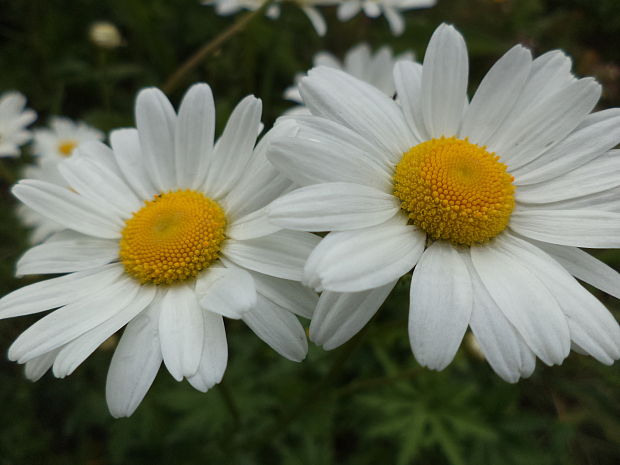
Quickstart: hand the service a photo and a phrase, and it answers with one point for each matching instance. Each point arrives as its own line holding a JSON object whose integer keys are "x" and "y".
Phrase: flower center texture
{"x": 66, "y": 147}
{"x": 455, "y": 190}
{"x": 173, "y": 237}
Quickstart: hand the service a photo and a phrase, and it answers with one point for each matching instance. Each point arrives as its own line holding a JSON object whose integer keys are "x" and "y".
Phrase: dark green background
{"x": 367, "y": 402}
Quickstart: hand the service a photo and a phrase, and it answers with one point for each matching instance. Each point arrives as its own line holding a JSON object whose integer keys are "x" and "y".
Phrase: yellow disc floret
{"x": 455, "y": 190}
{"x": 173, "y": 237}
{"x": 65, "y": 147}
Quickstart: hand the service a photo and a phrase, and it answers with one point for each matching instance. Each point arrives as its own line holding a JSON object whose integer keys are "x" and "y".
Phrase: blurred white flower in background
{"x": 361, "y": 62}
{"x": 14, "y": 117}
{"x": 391, "y": 9}
{"x": 229, "y": 7}
{"x": 51, "y": 146}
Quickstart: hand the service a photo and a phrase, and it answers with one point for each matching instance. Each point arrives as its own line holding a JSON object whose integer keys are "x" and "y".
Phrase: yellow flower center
{"x": 65, "y": 147}
{"x": 173, "y": 237}
{"x": 455, "y": 190}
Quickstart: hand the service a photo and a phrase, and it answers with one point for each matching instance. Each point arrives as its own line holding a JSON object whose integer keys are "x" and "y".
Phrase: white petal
{"x": 591, "y": 326}
{"x": 181, "y": 331}
{"x": 501, "y": 343}
{"x": 234, "y": 148}
{"x": 524, "y": 300}
{"x": 214, "y": 356}
{"x": 38, "y": 366}
{"x": 128, "y": 154}
{"x": 317, "y": 150}
{"x": 281, "y": 254}
{"x": 156, "y": 121}
{"x": 255, "y": 224}
{"x": 336, "y": 206}
{"x": 598, "y": 133}
{"x": 66, "y": 256}
{"x": 440, "y": 305}
{"x": 444, "y": 82}
{"x": 395, "y": 20}
{"x": 353, "y": 261}
{"x": 279, "y": 328}
{"x": 67, "y": 208}
{"x": 73, "y": 320}
{"x": 496, "y": 95}
{"x": 585, "y": 267}
{"x": 581, "y": 228}
{"x": 57, "y": 292}
{"x": 135, "y": 363}
{"x": 193, "y": 139}
{"x": 340, "y": 315}
{"x": 348, "y": 9}
{"x": 316, "y": 19}
{"x": 408, "y": 81}
{"x": 226, "y": 291}
{"x": 546, "y": 123}
{"x": 78, "y": 350}
{"x": 290, "y": 295}
{"x": 99, "y": 185}
{"x": 340, "y": 97}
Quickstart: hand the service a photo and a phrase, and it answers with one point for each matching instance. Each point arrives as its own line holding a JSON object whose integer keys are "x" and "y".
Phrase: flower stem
{"x": 176, "y": 78}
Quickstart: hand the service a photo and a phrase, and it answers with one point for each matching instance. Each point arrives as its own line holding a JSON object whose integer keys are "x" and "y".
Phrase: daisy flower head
{"x": 373, "y": 68}
{"x": 309, "y": 7}
{"x": 391, "y": 9}
{"x": 165, "y": 232}
{"x": 14, "y": 117}
{"x": 488, "y": 201}
{"x": 51, "y": 146}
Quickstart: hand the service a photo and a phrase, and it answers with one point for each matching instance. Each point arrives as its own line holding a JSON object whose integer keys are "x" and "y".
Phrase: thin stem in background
{"x": 192, "y": 62}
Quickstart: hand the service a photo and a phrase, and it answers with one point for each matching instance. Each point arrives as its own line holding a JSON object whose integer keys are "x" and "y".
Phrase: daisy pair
{"x": 164, "y": 233}
{"x": 488, "y": 201}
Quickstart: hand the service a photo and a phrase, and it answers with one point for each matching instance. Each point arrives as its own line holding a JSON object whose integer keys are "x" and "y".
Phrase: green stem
{"x": 176, "y": 78}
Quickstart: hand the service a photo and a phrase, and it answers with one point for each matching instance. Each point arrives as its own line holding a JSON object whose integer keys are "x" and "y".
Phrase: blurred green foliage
{"x": 367, "y": 402}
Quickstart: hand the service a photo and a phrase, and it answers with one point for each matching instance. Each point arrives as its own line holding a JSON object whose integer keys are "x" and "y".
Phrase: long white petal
{"x": 214, "y": 356}
{"x": 279, "y": 328}
{"x": 57, "y": 292}
{"x": 73, "y": 320}
{"x": 135, "y": 363}
{"x": 533, "y": 312}
{"x": 354, "y": 261}
{"x": 156, "y": 121}
{"x": 440, "y": 305}
{"x": 227, "y": 291}
{"x": 66, "y": 256}
{"x": 336, "y": 206}
{"x": 290, "y": 295}
{"x": 340, "y": 315}
{"x": 128, "y": 154}
{"x": 408, "y": 81}
{"x": 234, "y": 148}
{"x": 181, "y": 331}
{"x": 78, "y": 350}
{"x": 193, "y": 139}
{"x": 34, "y": 369}
{"x": 281, "y": 254}
{"x": 580, "y": 228}
{"x": 444, "y": 82}
{"x": 67, "y": 208}
{"x": 252, "y": 225}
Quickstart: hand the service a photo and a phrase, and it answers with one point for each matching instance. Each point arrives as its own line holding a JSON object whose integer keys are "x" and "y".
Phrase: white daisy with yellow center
{"x": 487, "y": 200}
{"x": 51, "y": 146}
{"x": 165, "y": 233}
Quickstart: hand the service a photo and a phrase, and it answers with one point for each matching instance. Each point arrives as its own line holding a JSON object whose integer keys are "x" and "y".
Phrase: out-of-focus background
{"x": 367, "y": 402}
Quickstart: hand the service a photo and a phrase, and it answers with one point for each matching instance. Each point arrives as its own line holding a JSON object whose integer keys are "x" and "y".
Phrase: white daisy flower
{"x": 229, "y": 7}
{"x": 391, "y": 9}
{"x": 14, "y": 117}
{"x": 165, "y": 233}
{"x": 51, "y": 146}
{"x": 361, "y": 62}
{"x": 489, "y": 200}
{"x": 62, "y": 137}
